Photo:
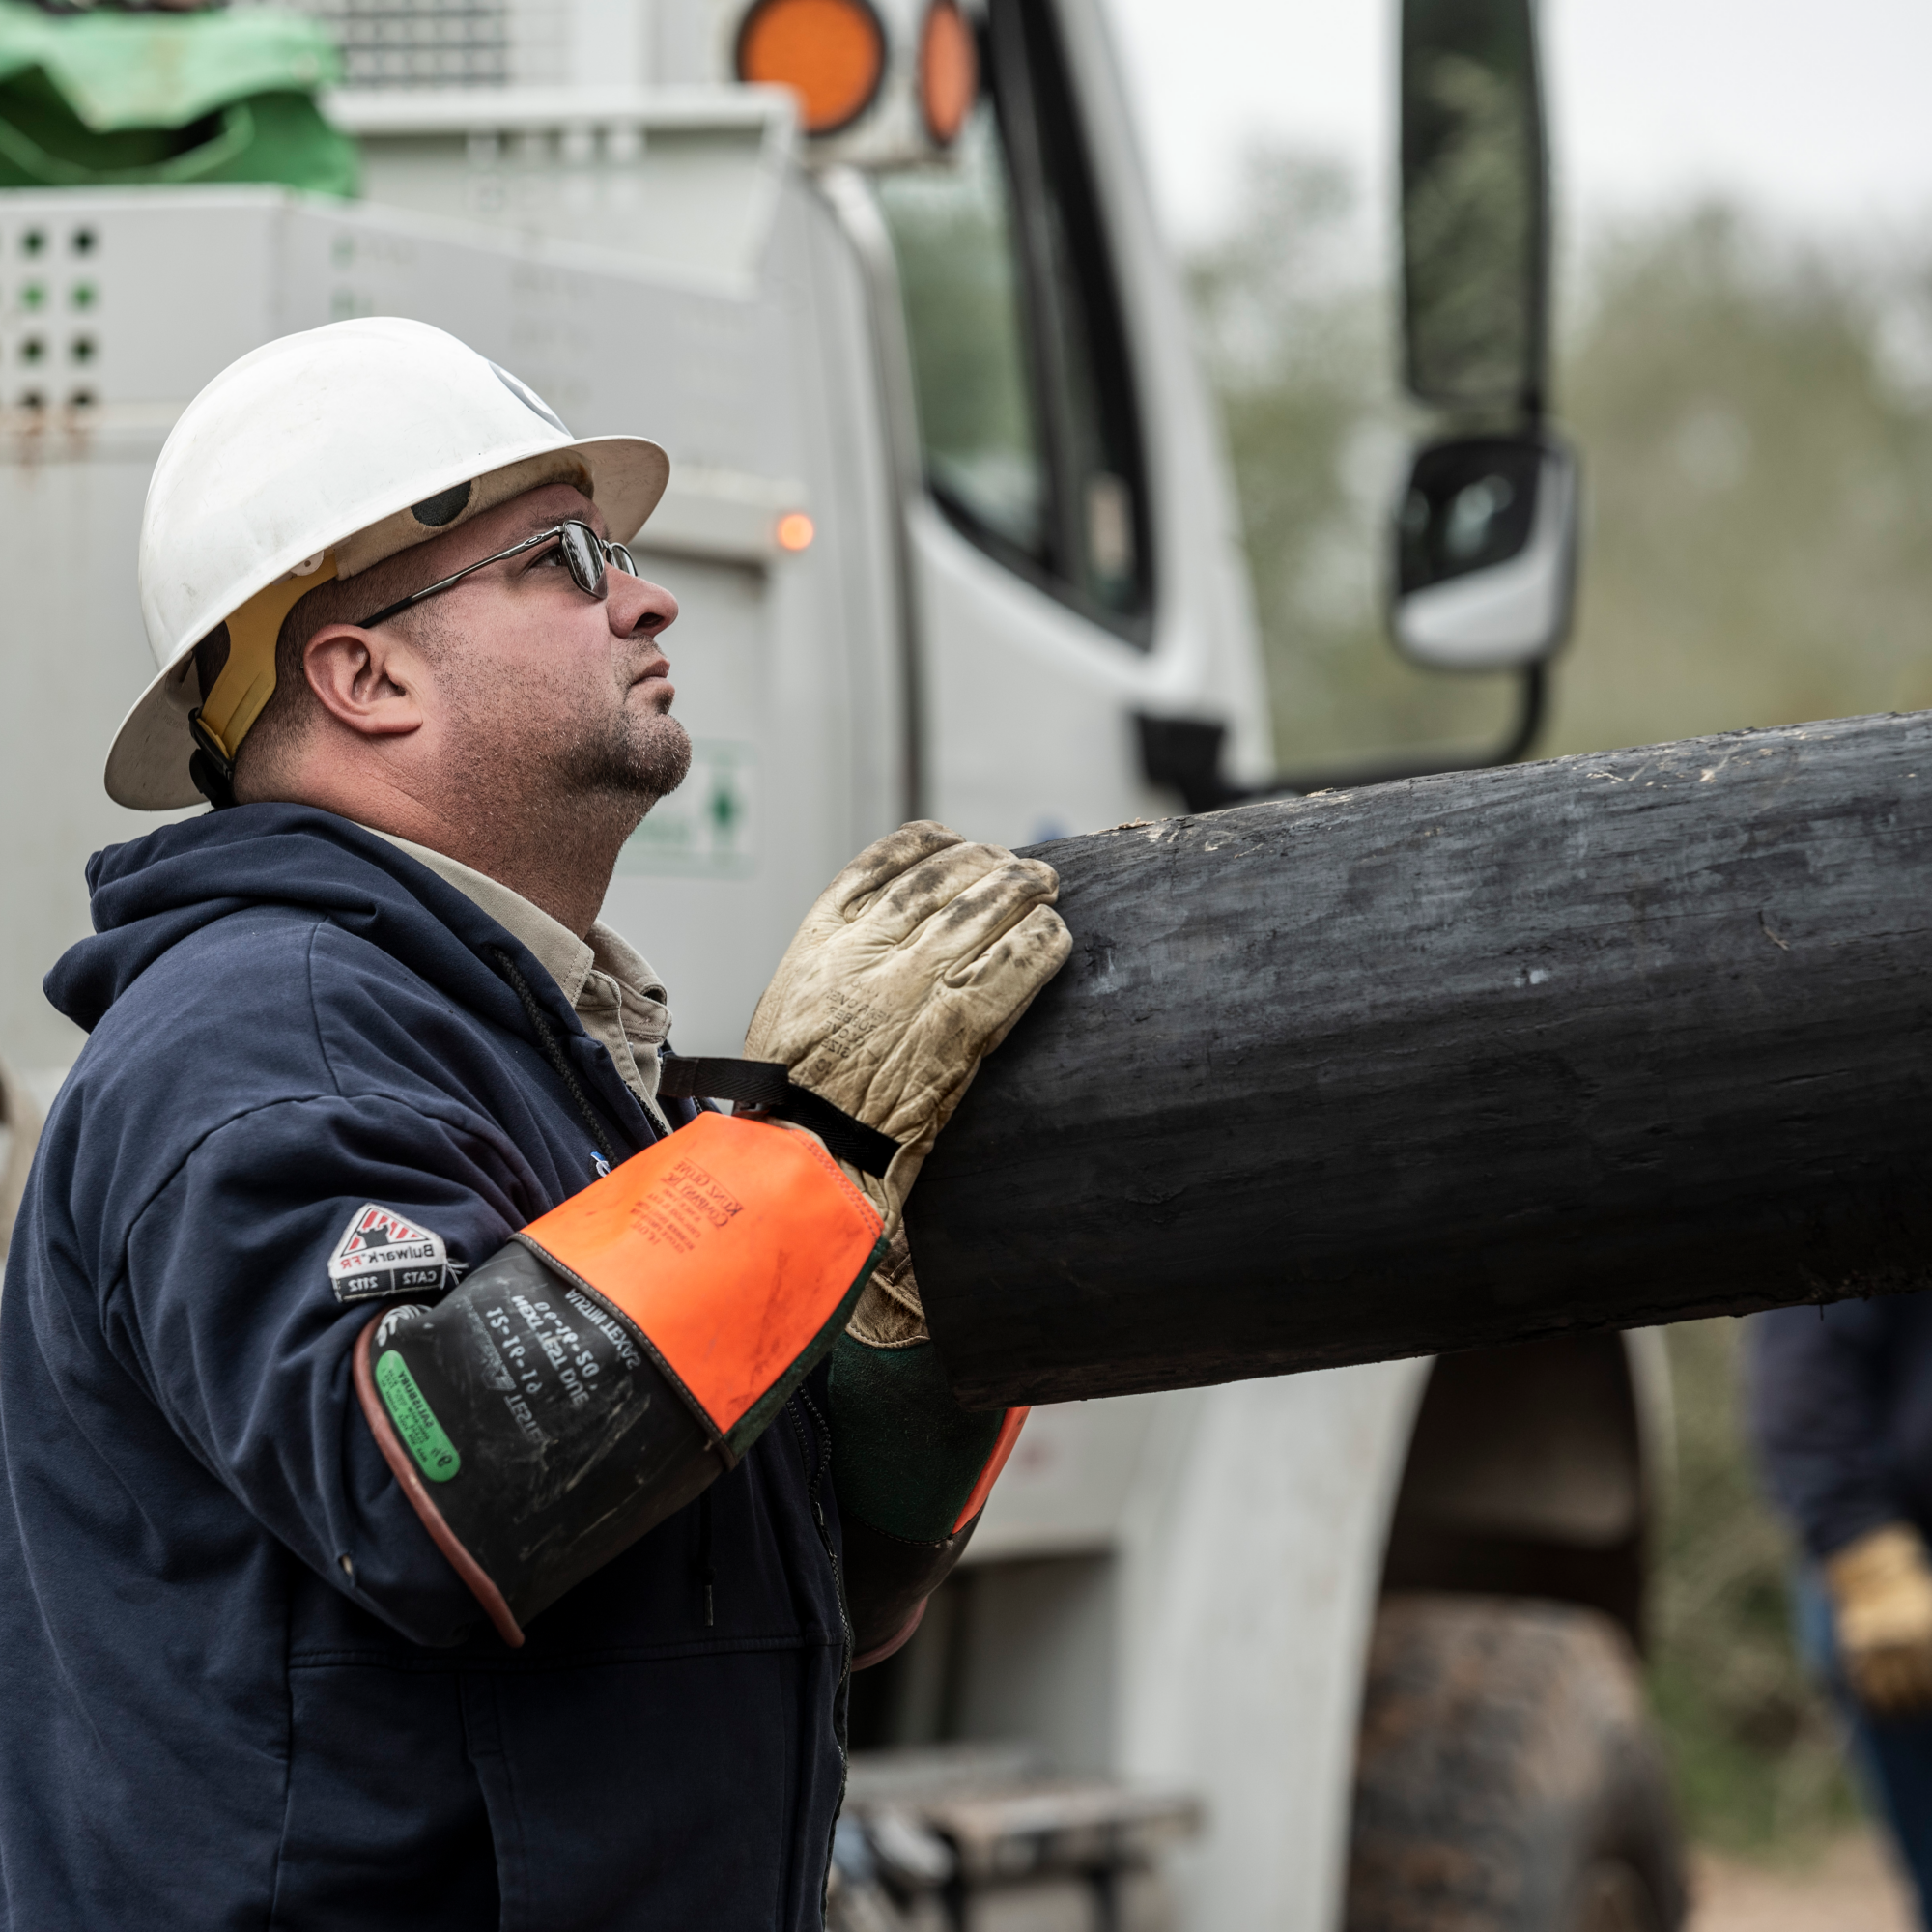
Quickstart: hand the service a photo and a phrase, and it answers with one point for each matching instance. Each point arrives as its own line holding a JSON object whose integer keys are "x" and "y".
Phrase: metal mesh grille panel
{"x": 418, "y": 42}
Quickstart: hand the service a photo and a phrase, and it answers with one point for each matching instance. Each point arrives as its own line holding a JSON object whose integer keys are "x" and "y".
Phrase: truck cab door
{"x": 1045, "y": 602}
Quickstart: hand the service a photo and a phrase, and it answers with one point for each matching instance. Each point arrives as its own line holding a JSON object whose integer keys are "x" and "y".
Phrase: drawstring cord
{"x": 601, "y": 1137}
{"x": 705, "y": 1574}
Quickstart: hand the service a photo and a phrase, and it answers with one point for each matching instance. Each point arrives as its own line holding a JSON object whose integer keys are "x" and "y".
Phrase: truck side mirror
{"x": 1486, "y": 533}
{"x": 1475, "y": 208}
{"x": 1486, "y": 553}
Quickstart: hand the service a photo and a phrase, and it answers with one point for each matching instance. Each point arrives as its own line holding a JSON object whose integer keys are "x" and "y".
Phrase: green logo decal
{"x": 708, "y": 828}
{"x": 415, "y": 1420}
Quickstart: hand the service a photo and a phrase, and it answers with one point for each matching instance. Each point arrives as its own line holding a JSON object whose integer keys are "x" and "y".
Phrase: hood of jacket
{"x": 150, "y": 894}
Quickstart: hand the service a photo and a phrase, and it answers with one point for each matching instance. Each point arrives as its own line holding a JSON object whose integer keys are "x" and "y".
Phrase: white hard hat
{"x": 315, "y": 456}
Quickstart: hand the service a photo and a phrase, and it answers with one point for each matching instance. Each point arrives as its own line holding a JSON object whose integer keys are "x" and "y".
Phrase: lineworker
{"x": 1841, "y": 1408}
{"x": 450, "y": 1471}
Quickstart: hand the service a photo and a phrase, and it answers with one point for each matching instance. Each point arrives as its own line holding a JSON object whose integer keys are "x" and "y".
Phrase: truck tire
{"x": 1508, "y": 1780}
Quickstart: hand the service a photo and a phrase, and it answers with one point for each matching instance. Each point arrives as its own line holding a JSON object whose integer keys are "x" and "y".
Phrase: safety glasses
{"x": 585, "y": 555}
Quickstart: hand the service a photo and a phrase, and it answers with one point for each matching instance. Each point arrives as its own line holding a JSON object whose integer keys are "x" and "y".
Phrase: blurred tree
{"x": 1758, "y": 444}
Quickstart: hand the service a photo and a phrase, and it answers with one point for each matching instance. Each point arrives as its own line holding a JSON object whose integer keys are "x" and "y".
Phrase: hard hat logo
{"x": 528, "y": 397}
{"x": 337, "y": 448}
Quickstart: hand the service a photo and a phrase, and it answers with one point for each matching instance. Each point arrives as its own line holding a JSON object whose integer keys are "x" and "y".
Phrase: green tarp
{"x": 104, "y": 98}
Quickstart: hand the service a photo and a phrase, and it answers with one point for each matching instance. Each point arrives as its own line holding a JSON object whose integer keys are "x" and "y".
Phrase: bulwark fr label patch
{"x": 380, "y": 1253}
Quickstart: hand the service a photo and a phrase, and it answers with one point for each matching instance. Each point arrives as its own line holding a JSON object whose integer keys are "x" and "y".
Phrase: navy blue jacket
{"x": 1841, "y": 1411}
{"x": 239, "y": 1684}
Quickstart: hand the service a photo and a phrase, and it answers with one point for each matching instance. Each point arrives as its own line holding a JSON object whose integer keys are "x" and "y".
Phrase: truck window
{"x": 1027, "y": 415}
{"x": 953, "y": 229}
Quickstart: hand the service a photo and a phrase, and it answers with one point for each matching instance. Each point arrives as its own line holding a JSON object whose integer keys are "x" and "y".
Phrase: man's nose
{"x": 638, "y": 606}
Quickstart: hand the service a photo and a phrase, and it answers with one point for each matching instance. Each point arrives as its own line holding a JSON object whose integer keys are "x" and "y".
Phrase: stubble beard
{"x": 634, "y": 762}
{"x": 606, "y": 762}
{"x": 578, "y": 799}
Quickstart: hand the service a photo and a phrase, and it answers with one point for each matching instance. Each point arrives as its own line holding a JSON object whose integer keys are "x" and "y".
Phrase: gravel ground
{"x": 1851, "y": 1888}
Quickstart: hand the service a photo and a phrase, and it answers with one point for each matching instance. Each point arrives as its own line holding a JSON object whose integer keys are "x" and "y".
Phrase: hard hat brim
{"x": 148, "y": 762}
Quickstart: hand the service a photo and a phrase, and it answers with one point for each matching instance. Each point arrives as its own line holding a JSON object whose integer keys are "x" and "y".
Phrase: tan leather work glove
{"x": 888, "y": 1314}
{"x": 912, "y": 966}
{"x": 1881, "y": 1588}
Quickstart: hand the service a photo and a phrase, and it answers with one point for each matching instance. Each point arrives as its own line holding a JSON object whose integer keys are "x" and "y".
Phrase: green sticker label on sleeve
{"x": 415, "y": 1420}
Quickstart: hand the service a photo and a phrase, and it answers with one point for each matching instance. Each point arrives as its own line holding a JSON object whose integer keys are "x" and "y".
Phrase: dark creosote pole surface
{"x": 1606, "y": 1040}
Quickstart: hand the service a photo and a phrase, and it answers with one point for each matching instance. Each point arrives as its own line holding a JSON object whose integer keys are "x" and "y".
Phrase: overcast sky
{"x": 1814, "y": 109}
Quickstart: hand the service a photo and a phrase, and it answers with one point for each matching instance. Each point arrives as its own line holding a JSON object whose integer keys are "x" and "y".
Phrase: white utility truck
{"x": 951, "y": 530}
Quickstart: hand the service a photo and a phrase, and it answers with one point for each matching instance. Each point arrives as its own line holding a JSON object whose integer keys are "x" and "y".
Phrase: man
{"x": 1841, "y": 1410}
{"x": 449, "y": 1473}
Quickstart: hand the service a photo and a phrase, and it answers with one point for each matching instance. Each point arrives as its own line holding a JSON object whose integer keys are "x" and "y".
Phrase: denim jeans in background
{"x": 1891, "y": 1758}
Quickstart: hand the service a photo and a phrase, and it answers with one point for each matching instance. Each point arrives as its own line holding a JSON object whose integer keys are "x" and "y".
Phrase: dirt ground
{"x": 1851, "y": 1888}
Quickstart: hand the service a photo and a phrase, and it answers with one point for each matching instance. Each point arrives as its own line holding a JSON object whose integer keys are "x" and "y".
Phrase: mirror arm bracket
{"x": 1183, "y": 754}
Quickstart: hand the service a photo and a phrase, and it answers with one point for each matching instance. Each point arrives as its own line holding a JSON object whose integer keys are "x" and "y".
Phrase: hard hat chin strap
{"x": 247, "y": 679}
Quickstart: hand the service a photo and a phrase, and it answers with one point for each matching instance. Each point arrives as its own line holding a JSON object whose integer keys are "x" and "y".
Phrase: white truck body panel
{"x": 1245, "y": 1526}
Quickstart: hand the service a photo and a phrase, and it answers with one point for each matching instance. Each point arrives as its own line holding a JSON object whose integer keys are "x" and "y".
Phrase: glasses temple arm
{"x": 415, "y": 597}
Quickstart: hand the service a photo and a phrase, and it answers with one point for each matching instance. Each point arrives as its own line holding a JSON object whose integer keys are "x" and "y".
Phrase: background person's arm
{"x": 1820, "y": 1389}
{"x": 1816, "y": 1391}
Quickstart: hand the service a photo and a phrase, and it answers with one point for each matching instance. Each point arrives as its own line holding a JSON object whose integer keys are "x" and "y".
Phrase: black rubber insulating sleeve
{"x": 886, "y": 1578}
{"x": 767, "y": 1084}
{"x": 548, "y": 1439}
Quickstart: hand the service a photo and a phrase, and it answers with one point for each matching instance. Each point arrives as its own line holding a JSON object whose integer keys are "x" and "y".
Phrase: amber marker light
{"x": 795, "y": 530}
{"x": 831, "y": 53}
{"x": 948, "y": 71}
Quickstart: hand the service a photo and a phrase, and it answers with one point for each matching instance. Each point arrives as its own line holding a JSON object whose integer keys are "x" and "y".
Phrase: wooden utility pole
{"x": 1607, "y": 1040}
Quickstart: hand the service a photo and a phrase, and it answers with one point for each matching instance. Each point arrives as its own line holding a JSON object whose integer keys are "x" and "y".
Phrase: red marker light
{"x": 948, "y": 71}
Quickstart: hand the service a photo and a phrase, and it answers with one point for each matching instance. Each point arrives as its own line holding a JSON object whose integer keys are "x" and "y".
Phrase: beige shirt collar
{"x": 617, "y": 996}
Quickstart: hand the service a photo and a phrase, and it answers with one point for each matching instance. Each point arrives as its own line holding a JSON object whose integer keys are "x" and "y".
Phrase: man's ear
{"x": 370, "y": 681}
